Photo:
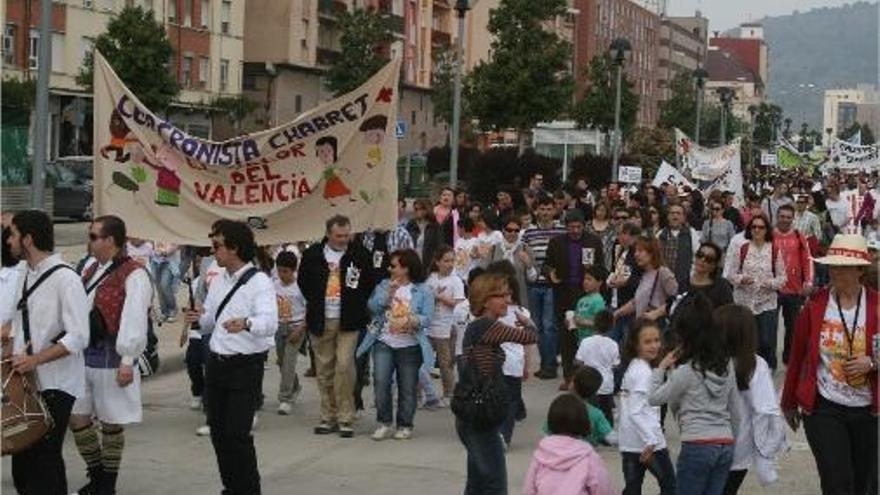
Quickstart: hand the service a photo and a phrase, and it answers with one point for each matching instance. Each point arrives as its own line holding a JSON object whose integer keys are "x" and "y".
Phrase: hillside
{"x": 827, "y": 47}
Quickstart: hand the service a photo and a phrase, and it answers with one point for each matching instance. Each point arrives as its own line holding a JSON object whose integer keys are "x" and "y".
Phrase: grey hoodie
{"x": 702, "y": 404}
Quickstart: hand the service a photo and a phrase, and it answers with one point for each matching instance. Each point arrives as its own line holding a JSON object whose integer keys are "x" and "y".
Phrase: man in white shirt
{"x": 241, "y": 312}
{"x": 119, "y": 293}
{"x": 838, "y": 208}
{"x": 56, "y": 317}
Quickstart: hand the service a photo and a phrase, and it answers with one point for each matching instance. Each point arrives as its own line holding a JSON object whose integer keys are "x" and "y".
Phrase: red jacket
{"x": 801, "y": 377}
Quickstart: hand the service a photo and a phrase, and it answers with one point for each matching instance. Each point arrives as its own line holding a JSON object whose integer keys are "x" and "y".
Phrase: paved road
{"x": 163, "y": 455}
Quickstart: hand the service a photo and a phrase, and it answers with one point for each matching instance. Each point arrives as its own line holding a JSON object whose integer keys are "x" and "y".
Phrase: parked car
{"x": 71, "y": 178}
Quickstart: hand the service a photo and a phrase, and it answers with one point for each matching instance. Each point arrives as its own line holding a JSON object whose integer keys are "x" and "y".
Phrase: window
{"x": 205, "y": 13}
{"x": 225, "y": 15}
{"x": 87, "y": 4}
{"x": 298, "y": 104}
{"x": 204, "y": 72}
{"x": 224, "y": 74}
{"x": 86, "y": 46}
{"x": 413, "y": 118}
{"x": 187, "y": 13}
{"x": 57, "y": 52}
{"x": 9, "y": 44}
{"x": 186, "y": 73}
{"x": 107, "y": 4}
{"x": 33, "y": 49}
{"x": 172, "y": 11}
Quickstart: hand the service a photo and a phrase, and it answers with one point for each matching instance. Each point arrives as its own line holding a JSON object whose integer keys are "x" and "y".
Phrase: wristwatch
{"x": 247, "y": 324}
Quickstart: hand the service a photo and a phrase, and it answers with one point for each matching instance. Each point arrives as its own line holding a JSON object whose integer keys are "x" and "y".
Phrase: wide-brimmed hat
{"x": 847, "y": 250}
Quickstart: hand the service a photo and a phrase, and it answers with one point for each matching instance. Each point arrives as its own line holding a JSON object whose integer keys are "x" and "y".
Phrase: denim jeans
{"x": 541, "y": 307}
{"x": 791, "y": 305}
{"x": 703, "y": 468}
{"x": 768, "y": 326}
{"x": 513, "y": 386}
{"x": 486, "y": 466}
{"x": 844, "y": 442}
{"x": 404, "y": 363}
{"x": 166, "y": 286}
{"x": 427, "y": 384}
{"x": 634, "y": 472}
{"x": 621, "y": 329}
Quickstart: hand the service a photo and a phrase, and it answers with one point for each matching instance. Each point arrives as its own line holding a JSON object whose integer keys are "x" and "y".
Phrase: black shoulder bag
{"x": 245, "y": 277}
{"x": 479, "y": 400}
{"x": 23, "y": 307}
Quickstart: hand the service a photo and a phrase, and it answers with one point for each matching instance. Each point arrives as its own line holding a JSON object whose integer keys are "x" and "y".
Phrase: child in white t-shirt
{"x": 466, "y": 252}
{"x": 448, "y": 293}
{"x": 601, "y": 352}
{"x": 291, "y": 329}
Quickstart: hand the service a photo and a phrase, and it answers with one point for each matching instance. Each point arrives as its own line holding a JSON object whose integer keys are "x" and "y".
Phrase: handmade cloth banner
{"x": 711, "y": 168}
{"x": 667, "y": 174}
{"x": 847, "y": 156}
{"x": 338, "y": 158}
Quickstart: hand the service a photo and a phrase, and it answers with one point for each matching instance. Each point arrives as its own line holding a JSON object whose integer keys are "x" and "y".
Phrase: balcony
{"x": 441, "y": 38}
{"x": 329, "y": 9}
{"x": 327, "y": 56}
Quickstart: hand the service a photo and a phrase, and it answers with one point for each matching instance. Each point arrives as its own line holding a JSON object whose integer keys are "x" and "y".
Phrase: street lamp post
{"x": 619, "y": 49}
{"x": 41, "y": 128}
{"x": 726, "y": 96}
{"x": 701, "y": 76}
{"x": 753, "y": 110}
{"x": 461, "y": 7}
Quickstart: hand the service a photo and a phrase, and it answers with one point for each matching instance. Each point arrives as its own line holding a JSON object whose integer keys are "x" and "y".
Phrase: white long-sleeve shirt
{"x": 761, "y": 431}
{"x": 132, "y": 337}
{"x": 58, "y": 305}
{"x": 254, "y": 301}
{"x": 639, "y": 424}
{"x": 11, "y": 278}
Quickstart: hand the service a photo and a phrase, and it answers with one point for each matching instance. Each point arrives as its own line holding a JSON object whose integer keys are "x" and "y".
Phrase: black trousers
{"x": 844, "y": 443}
{"x": 362, "y": 370}
{"x": 40, "y": 470}
{"x": 232, "y": 389}
{"x": 564, "y": 299}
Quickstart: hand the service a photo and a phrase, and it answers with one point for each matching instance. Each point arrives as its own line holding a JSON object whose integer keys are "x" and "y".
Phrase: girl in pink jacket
{"x": 563, "y": 464}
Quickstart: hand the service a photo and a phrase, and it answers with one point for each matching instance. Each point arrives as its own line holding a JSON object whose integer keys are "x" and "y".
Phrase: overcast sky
{"x": 725, "y": 14}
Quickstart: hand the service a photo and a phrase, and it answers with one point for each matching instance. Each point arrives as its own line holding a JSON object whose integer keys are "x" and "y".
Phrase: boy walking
{"x": 291, "y": 329}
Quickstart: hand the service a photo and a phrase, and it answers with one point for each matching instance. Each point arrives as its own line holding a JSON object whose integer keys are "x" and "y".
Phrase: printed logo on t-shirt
{"x": 285, "y": 308}
{"x": 587, "y": 256}
{"x": 378, "y": 256}
{"x": 352, "y": 277}
{"x": 334, "y": 283}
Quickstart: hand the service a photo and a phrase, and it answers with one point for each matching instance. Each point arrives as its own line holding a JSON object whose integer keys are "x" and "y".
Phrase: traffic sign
{"x": 400, "y": 129}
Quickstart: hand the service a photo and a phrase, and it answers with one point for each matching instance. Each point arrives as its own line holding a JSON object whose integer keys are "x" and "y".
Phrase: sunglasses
{"x": 759, "y": 227}
{"x": 512, "y": 231}
{"x": 94, "y": 237}
{"x": 622, "y": 217}
{"x": 703, "y": 255}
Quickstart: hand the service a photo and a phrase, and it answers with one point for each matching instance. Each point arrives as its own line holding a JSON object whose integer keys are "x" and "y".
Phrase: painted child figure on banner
{"x": 166, "y": 165}
{"x": 325, "y": 148}
{"x": 374, "y": 135}
{"x": 119, "y": 138}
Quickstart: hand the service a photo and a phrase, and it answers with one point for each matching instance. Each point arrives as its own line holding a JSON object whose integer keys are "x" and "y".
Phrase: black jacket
{"x": 312, "y": 280}
{"x": 557, "y": 254}
{"x": 433, "y": 239}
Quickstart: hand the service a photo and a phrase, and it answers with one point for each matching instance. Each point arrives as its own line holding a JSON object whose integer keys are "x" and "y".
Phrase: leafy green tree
{"x": 680, "y": 111}
{"x": 137, "y": 48}
{"x": 365, "y": 35}
{"x": 596, "y": 109}
{"x": 443, "y": 85}
{"x": 648, "y": 147}
{"x": 527, "y": 80}
{"x": 236, "y": 108}
{"x": 849, "y": 132}
{"x": 765, "y": 114}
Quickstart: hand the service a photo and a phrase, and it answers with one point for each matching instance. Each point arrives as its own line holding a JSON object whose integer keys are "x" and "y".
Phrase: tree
{"x": 527, "y": 80}
{"x": 137, "y": 48}
{"x": 648, "y": 147}
{"x": 765, "y": 115}
{"x": 365, "y": 36}
{"x": 680, "y": 111}
{"x": 596, "y": 109}
{"x": 236, "y": 108}
{"x": 443, "y": 85}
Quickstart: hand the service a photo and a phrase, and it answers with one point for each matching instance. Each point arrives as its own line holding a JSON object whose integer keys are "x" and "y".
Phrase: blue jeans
{"x": 486, "y": 466}
{"x": 513, "y": 386}
{"x": 166, "y": 286}
{"x": 621, "y": 329}
{"x": 791, "y": 305}
{"x": 427, "y": 384}
{"x": 541, "y": 307}
{"x": 768, "y": 326}
{"x": 702, "y": 468}
{"x": 405, "y": 363}
{"x": 634, "y": 472}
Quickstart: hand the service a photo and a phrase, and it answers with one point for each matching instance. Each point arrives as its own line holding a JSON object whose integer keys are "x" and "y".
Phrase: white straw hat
{"x": 847, "y": 250}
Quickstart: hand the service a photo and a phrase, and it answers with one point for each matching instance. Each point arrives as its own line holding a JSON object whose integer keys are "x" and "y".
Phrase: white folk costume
{"x": 56, "y": 313}
{"x": 119, "y": 293}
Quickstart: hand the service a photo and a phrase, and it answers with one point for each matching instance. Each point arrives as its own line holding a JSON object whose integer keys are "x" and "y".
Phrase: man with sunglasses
{"x": 58, "y": 323}
{"x": 241, "y": 313}
{"x": 119, "y": 293}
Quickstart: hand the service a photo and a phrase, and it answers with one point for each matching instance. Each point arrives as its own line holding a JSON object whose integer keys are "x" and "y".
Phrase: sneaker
{"x": 383, "y": 432}
{"x": 284, "y": 408}
{"x": 195, "y": 404}
{"x": 545, "y": 375}
{"x": 326, "y": 428}
{"x": 403, "y": 434}
{"x": 433, "y": 405}
{"x": 345, "y": 430}
{"x": 203, "y": 431}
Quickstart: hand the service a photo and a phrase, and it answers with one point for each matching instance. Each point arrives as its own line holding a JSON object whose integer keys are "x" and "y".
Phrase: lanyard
{"x": 850, "y": 335}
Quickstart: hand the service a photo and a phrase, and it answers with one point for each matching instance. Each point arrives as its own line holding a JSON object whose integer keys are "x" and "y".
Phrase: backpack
{"x": 479, "y": 400}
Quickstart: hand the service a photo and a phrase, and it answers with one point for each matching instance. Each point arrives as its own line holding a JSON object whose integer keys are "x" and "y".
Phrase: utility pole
{"x": 701, "y": 76}
{"x": 461, "y": 7}
{"x": 41, "y": 129}
{"x": 619, "y": 50}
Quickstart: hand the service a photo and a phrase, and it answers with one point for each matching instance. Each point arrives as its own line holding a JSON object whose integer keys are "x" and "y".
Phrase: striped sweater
{"x": 489, "y": 335}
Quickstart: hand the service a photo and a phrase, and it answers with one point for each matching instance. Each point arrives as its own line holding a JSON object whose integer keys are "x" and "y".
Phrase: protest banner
{"x": 848, "y": 156}
{"x": 711, "y": 168}
{"x": 338, "y": 158}
{"x": 667, "y": 174}
{"x": 630, "y": 175}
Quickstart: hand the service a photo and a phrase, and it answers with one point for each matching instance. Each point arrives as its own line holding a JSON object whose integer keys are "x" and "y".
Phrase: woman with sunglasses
{"x": 518, "y": 254}
{"x": 717, "y": 229}
{"x": 757, "y": 272}
{"x": 402, "y": 306}
{"x": 481, "y": 360}
{"x": 706, "y": 277}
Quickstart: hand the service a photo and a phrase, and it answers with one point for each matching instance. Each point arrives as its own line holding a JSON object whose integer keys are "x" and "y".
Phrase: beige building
{"x": 289, "y": 43}
{"x": 682, "y": 47}
{"x": 845, "y": 106}
{"x": 726, "y": 71}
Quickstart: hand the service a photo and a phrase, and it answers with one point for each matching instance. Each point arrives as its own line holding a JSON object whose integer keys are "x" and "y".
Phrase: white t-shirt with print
{"x": 291, "y": 303}
{"x": 141, "y": 254}
{"x": 463, "y": 261}
{"x": 333, "y": 291}
{"x": 834, "y": 351}
{"x": 448, "y": 286}
{"x": 514, "y": 354}
{"x": 600, "y": 352}
{"x": 461, "y": 318}
{"x": 396, "y": 332}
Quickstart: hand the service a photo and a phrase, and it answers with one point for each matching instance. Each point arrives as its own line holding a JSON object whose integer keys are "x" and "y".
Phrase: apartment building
{"x": 207, "y": 36}
{"x": 682, "y": 48}
{"x": 843, "y": 107}
{"x": 289, "y": 44}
